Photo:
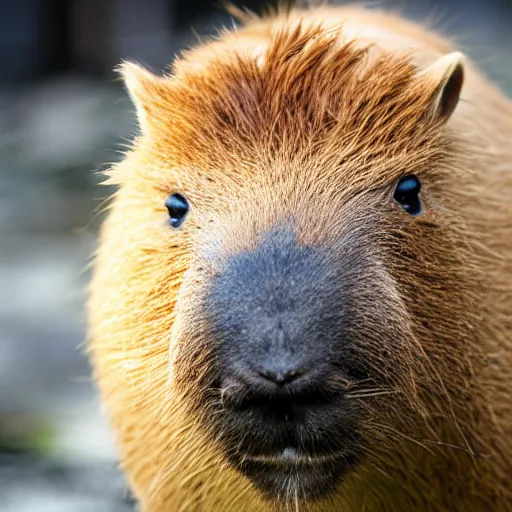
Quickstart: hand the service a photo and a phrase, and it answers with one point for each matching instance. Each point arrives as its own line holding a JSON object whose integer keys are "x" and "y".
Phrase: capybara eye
{"x": 178, "y": 207}
{"x": 407, "y": 194}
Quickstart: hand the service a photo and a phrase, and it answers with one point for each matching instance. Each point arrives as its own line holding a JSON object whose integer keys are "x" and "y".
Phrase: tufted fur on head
{"x": 307, "y": 119}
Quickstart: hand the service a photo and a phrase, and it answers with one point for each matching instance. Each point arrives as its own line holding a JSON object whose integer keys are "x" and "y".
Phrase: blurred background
{"x": 64, "y": 116}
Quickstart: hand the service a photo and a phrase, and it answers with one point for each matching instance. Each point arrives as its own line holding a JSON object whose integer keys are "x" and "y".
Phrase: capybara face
{"x": 308, "y": 334}
{"x": 297, "y": 309}
{"x": 294, "y": 262}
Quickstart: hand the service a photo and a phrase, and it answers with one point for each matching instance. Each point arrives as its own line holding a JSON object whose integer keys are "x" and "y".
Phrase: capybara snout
{"x": 276, "y": 310}
{"x": 276, "y": 315}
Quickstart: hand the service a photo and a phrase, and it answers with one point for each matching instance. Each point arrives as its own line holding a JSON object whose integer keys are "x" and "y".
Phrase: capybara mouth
{"x": 291, "y": 447}
{"x": 297, "y": 475}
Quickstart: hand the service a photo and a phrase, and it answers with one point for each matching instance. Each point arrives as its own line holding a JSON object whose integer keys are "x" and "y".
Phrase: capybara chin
{"x": 302, "y": 296}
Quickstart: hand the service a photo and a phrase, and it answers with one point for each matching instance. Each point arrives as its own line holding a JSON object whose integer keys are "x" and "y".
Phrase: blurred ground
{"x": 56, "y": 453}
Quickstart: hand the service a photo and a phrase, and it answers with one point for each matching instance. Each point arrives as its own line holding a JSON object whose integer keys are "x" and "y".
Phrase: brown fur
{"x": 324, "y": 103}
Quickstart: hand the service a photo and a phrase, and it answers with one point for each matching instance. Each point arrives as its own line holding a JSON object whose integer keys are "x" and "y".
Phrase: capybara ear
{"x": 146, "y": 90}
{"x": 444, "y": 78}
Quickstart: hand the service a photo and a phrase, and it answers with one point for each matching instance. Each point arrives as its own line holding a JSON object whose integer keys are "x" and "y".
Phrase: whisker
{"x": 368, "y": 393}
{"x": 422, "y": 442}
{"x": 456, "y": 447}
{"x": 437, "y": 375}
{"x": 404, "y": 436}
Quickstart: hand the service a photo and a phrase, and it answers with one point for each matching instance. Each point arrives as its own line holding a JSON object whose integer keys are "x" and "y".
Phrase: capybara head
{"x": 286, "y": 293}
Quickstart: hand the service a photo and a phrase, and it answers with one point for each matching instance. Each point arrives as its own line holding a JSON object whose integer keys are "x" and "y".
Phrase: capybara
{"x": 302, "y": 296}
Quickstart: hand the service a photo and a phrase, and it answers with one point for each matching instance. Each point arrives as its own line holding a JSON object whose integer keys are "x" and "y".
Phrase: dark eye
{"x": 407, "y": 194}
{"x": 178, "y": 207}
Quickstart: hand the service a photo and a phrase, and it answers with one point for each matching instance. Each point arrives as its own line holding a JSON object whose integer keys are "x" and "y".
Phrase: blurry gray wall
{"x": 63, "y": 115}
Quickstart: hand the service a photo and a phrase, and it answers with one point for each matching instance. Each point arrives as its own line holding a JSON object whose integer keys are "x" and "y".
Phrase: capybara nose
{"x": 275, "y": 369}
{"x": 274, "y": 311}
{"x": 280, "y": 376}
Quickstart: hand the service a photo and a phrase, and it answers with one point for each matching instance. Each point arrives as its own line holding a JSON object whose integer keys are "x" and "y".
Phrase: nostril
{"x": 280, "y": 377}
